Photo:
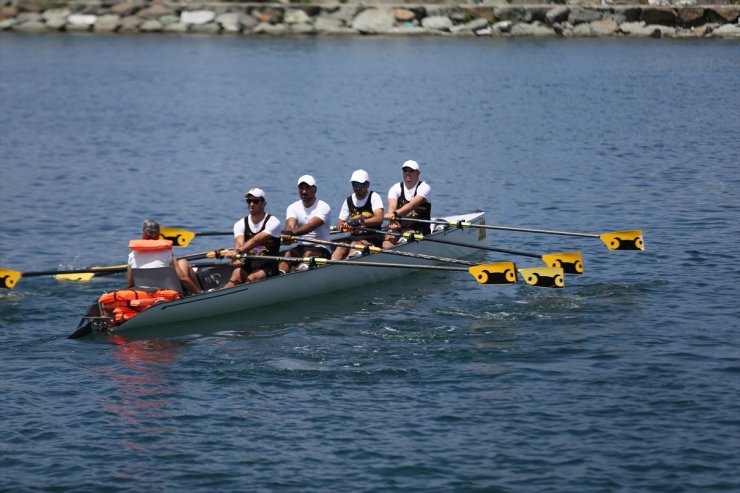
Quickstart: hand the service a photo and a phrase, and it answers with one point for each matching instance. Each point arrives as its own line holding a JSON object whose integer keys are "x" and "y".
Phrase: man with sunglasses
{"x": 310, "y": 217}
{"x": 364, "y": 208}
{"x": 407, "y": 200}
{"x": 256, "y": 234}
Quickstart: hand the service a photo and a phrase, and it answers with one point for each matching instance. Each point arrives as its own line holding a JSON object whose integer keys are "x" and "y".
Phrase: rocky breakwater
{"x": 479, "y": 19}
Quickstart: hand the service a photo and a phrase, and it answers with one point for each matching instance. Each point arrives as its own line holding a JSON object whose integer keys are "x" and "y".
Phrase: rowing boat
{"x": 235, "y": 303}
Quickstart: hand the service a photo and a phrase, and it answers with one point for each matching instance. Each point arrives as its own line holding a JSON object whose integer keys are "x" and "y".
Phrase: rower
{"x": 310, "y": 217}
{"x": 407, "y": 200}
{"x": 151, "y": 263}
{"x": 256, "y": 234}
{"x": 364, "y": 208}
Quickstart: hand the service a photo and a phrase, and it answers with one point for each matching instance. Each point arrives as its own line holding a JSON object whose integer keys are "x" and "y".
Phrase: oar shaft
{"x": 375, "y": 249}
{"x": 465, "y": 224}
{"x": 356, "y": 263}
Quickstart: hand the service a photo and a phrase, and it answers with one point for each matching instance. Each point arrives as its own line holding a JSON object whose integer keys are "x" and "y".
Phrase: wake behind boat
{"x": 234, "y": 303}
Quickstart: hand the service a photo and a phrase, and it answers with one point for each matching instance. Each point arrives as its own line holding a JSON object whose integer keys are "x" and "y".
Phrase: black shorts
{"x": 270, "y": 267}
{"x": 300, "y": 249}
{"x": 375, "y": 239}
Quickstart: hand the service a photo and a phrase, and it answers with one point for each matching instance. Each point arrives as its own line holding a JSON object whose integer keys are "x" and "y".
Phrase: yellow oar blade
{"x": 79, "y": 277}
{"x": 8, "y": 278}
{"x": 623, "y": 240}
{"x": 544, "y": 277}
{"x": 570, "y": 262}
{"x": 498, "y": 273}
{"x": 179, "y": 237}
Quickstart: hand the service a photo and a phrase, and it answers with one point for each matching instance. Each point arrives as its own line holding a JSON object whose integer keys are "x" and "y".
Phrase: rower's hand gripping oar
{"x": 496, "y": 273}
{"x": 618, "y": 240}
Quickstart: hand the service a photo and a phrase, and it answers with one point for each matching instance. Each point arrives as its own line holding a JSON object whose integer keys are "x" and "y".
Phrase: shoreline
{"x": 353, "y": 19}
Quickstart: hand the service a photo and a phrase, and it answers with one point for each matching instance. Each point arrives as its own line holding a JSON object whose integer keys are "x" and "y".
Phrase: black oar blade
{"x": 9, "y": 278}
{"x": 570, "y": 262}
{"x": 498, "y": 273}
{"x": 543, "y": 277}
{"x": 624, "y": 240}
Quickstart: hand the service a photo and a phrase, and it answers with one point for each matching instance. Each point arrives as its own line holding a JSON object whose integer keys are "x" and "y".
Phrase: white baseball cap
{"x": 411, "y": 164}
{"x": 360, "y": 176}
{"x": 308, "y": 180}
{"x": 256, "y": 192}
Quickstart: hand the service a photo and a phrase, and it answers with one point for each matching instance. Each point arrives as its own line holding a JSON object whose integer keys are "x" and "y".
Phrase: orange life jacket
{"x": 125, "y": 304}
{"x": 150, "y": 245}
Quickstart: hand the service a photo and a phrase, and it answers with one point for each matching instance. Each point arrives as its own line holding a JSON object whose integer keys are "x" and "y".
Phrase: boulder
{"x": 727, "y": 31}
{"x": 197, "y": 17}
{"x": 123, "y": 8}
{"x": 207, "y": 28}
{"x": 372, "y": 21}
{"x": 8, "y": 12}
{"x": 557, "y": 15}
{"x": 691, "y": 16}
{"x": 728, "y": 13}
{"x": 327, "y": 24}
{"x": 578, "y": 16}
{"x": 536, "y": 29}
{"x": 606, "y": 27}
{"x": 469, "y": 27}
{"x": 150, "y": 26}
{"x": 267, "y": 28}
{"x": 129, "y": 23}
{"x": 81, "y": 20}
{"x": 229, "y": 22}
{"x": 659, "y": 15}
{"x": 30, "y": 27}
{"x": 404, "y": 15}
{"x": 175, "y": 28}
{"x": 502, "y": 26}
{"x": 155, "y": 10}
{"x": 295, "y": 16}
{"x": 107, "y": 23}
{"x": 302, "y": 28}
{"x": 436, "y": 23}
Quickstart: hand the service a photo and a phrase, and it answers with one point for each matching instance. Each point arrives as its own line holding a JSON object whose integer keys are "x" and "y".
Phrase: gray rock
{"x": 56, "y": 23}
{"x": 197, "y": 17}
{"x": 503, "y": 26}
{"x": 26, "y": 17}
{"x": 295, "y": 16}
{"x": 345, "y": 13}
{"x": 515, "y": 14}
{"x": 436, "y": 23}
{"x": 30, "y": 27}
{"x": 577, "y": 16}
{"x": 208, "y": 28}
{"x": 81, "y": 20}
{"x": 557, "y": 15}
{"x": 107, "y": 23}
{"x": 641, "y": 29}
{"x": 373, "y": 21}
{"x": 129, "y": 24}
{"x": 535, "y": 29}
{"x": 176, "y": 28}
{"x": 267, "y": 28}
{"x": 78, "y": 28}
{"x": 606, "y": 27}
{"x": 471, "y": 26}
{"x": 151, "y": 26}
{"x": 166, "y": 20}
{"x": 247, "y": 22}
{"x": 155, "y": 10}
{"x": 327, "y": 24}
{"x": 229, "y": 22}
{"x": 303, "y": 28}
{"x": 7, "y": 24}
{"x": 51, "y": 14}
{"x": 727, "y": 31}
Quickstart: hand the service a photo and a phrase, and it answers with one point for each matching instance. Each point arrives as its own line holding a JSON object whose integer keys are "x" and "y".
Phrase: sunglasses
{"x": 254, "y": 201}
{"x": 407, "y": 170}
{"x": 356, "y": 185}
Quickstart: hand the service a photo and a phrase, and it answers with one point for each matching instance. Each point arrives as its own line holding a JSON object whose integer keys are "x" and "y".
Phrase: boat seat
{"x": 157, "y": 278}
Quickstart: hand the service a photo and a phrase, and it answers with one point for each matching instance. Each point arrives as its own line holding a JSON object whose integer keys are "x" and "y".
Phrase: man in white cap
{"x": 256, "y": 234}
{"x": 407, "y": 200}
{"x": 310, "y": 217}
{"x": 364, "y": 208}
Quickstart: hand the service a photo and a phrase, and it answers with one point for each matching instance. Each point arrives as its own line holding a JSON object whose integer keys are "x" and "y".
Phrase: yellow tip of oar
{"x": 570, "y": 262}
{"x": 80, "y": 277}
{"x": 8, "y": 278}
{"x": 498, "y": 273}
{"x": 544, "y": 277}
{"x": 623, "y": 240}
{"x": 179, "y": 237}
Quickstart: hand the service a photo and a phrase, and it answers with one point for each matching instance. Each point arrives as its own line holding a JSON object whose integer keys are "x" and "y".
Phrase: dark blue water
{"x": 627, "y": 380}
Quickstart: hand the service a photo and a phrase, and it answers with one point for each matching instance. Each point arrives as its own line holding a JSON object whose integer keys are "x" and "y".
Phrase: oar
{"x": 570, "y": 262}
{"x": 9, "y": 278}
{"x": 183, "y": 237}
{"x": 618, "y": 240}
{"x": 374, "y": 249}
{"x": 498, "y": 273}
